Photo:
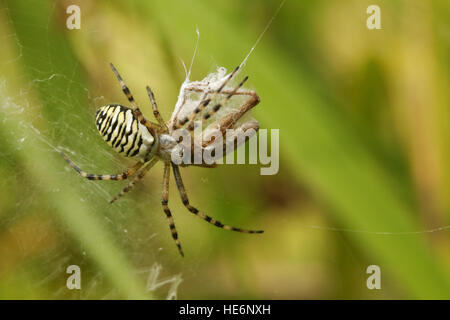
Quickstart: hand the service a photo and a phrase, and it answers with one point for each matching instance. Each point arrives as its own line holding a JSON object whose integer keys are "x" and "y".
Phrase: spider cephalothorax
{"x": 129, "y": 133}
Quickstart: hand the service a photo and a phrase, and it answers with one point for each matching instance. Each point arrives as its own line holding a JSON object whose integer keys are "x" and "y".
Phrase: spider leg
{"x": 174, "y": 118}
{"x": 204, "y": 102}
{"x": 184, "y": 198}
{"x": 164, "y": 202}
{"x": 230, "y": 120}
{"x": 232, "y": 141}
{"x": 125, "y": 88}
{"x": 191, "y": 118}
{"x": 124, "y": 175}
{"x": 156, "y": 113}
{"x": 217, "y": 107}
{"x": 140, "y": 175}
{"x": 137, "y": 112}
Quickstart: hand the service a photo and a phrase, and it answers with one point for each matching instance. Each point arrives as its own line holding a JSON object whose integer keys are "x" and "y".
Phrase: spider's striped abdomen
{"x": 119, "y": 127}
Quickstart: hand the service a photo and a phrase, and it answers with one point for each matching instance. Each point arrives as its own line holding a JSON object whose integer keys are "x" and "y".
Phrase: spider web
{"x": 33, "y": 127}
{"x": 46, "y": 107}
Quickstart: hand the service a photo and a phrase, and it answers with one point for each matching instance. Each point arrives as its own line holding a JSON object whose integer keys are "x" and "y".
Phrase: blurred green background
{"x": 364, "y": 151}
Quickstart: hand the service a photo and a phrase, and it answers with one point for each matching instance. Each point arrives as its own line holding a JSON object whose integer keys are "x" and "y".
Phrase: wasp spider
{"x": 129, "y": 133}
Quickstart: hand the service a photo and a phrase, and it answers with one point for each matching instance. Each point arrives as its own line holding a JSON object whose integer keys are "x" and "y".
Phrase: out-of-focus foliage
{"x": 365, "y": 160}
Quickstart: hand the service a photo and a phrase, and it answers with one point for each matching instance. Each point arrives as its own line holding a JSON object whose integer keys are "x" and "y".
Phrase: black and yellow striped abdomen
{"x": 119, "y": 127}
